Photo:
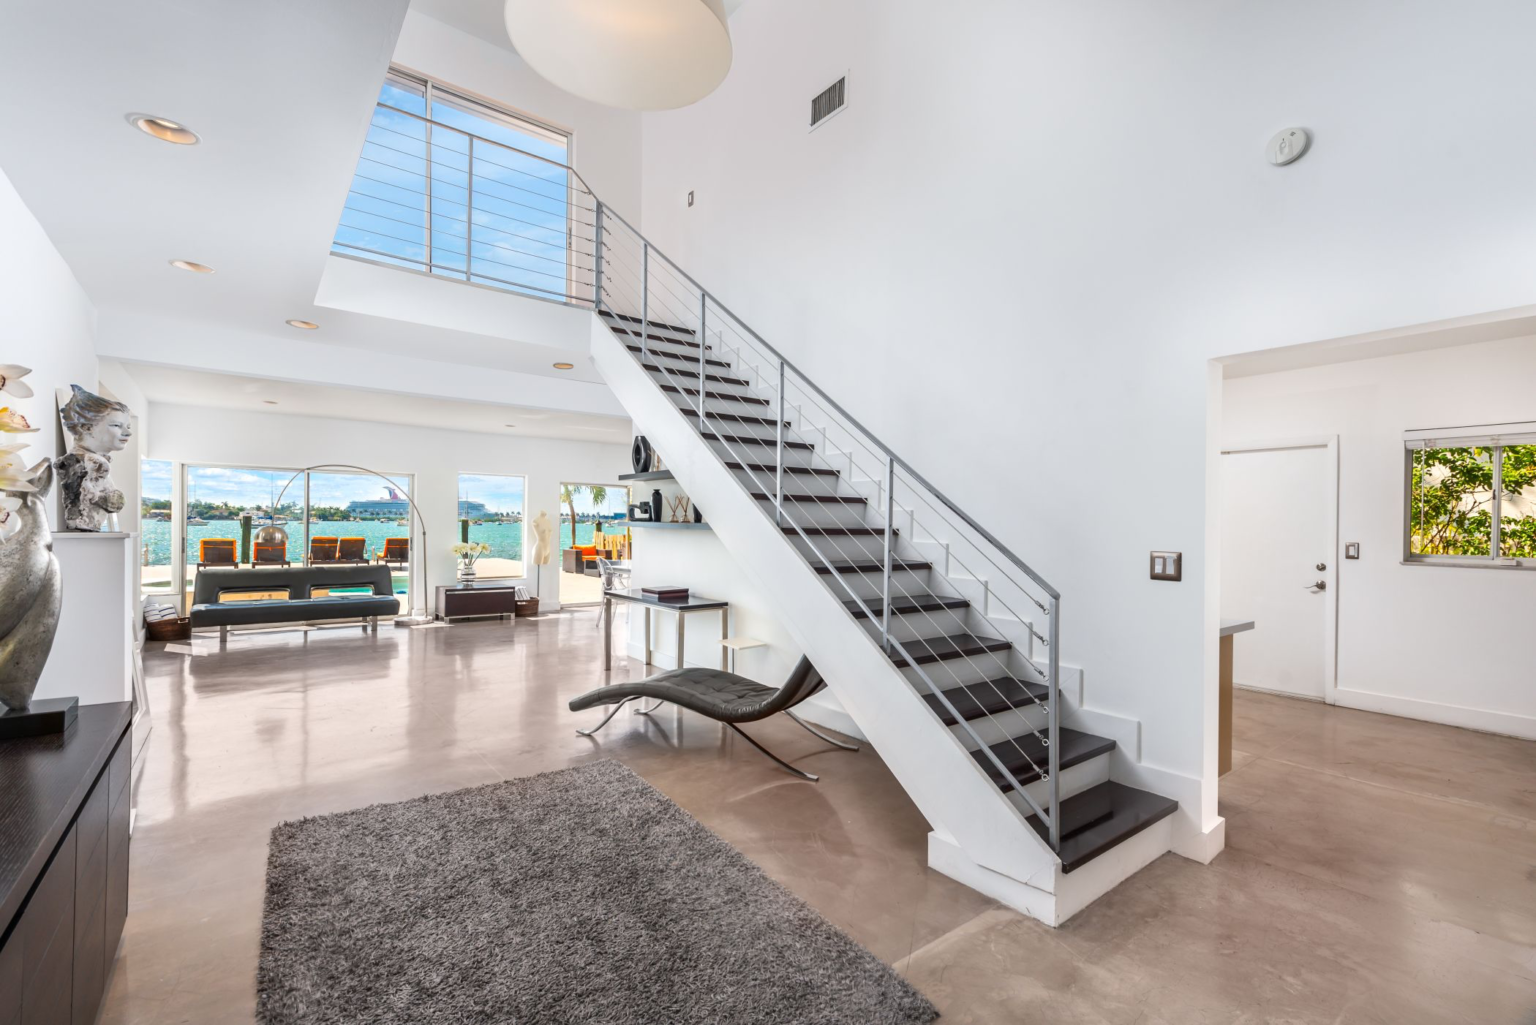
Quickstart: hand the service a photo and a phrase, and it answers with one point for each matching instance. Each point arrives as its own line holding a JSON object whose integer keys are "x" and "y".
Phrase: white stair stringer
{"x": 946, "y": 783}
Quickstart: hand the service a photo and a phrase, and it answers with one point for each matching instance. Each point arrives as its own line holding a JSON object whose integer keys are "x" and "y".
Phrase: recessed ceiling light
{"x": 270, "y": 402}
{"x": 163, "y": 129}
{"x": 307, "y": 325}
{"x": 565, "y": 366}
{"x": 195, "y": 268}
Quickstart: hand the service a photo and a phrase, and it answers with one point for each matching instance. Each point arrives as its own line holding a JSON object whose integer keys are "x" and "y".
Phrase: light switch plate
{"x": 1167, "y": 565}
{"x": 1352, "y": 549}
{"x": 690, "y": 197}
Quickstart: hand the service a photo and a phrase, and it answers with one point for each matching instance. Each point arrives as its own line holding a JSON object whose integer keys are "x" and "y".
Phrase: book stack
{"x": 666, "y": 592}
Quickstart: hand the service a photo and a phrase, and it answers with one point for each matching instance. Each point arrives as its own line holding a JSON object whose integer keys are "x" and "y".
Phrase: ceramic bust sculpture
{"x": 29, "y": 581}
{"x": 543, "y": 536}
{"x": 98, "y": 427}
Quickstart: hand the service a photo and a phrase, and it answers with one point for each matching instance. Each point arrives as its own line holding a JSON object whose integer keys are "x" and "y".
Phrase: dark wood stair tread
{"x": 748, "y": 440}
{"x": 1102, "y": 817}
{"x": 819, "y": 531}
{"x": 657, "y": 324}
{"x": 1018, "y": 753}
{"x": 733, "y": 418}
{"x": 941, "y": 649}
{"x": 824, "y": 499}
{"x": 718, "y": 395}
{"x": 690, "y": 360}
{"x": 906, "y": 605}
{"x": 975, "y": 700}
{"x": 769, "y": 468}
{"x": 871, "y": 566}
{"x": 718, "y": 379}
{"x": 688, "y": 343}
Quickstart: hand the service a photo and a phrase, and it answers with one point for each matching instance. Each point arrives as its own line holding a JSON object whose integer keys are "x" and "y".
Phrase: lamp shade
{"x": 635, "y": 54}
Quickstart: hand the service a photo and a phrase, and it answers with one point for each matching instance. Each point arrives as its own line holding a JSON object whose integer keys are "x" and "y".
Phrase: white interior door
{"x": 1278, "y": 521}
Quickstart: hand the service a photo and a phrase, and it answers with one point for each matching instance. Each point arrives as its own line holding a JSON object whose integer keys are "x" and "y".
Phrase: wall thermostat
{"x": 1287, "y": 145}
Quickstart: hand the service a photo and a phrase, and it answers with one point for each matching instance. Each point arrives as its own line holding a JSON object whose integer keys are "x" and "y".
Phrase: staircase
{"x": 936, "y": 639}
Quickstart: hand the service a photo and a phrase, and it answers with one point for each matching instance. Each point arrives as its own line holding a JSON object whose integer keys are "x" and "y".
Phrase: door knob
{"x": 1322, "y": 566}
{"x": 1321, "y": 585}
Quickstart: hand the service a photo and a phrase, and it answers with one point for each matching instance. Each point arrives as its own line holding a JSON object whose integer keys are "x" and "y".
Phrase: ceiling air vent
{"x": 831, "y": 100}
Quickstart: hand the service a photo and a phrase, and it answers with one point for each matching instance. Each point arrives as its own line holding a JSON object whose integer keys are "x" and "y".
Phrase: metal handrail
{"x": 1048, "y": 774}
{"x": 602, "y": 260}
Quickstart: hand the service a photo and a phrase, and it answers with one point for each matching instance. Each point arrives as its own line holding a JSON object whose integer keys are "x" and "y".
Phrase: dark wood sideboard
{"x": 64, "y": 809}
{"x": 480, "y": 598}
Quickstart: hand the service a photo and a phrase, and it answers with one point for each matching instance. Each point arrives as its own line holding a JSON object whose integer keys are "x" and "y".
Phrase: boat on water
{"x": 196, "y": 521}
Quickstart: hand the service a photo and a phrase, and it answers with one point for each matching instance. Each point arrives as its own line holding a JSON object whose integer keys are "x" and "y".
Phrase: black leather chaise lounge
{"x": 723, "y": 697}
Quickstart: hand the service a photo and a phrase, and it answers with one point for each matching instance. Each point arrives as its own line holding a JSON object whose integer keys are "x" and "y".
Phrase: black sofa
{"x": 299, "y": 582}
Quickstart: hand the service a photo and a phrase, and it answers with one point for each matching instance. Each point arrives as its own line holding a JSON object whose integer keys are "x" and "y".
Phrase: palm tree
{"x": 599, "y": 495}
{"x": 568, "y": 493}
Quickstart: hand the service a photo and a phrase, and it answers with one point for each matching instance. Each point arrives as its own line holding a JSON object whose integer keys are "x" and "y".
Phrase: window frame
{"x": 1493, "y": 437}
{"x": 433, "y": 91}
{"x": 458, "y": 480}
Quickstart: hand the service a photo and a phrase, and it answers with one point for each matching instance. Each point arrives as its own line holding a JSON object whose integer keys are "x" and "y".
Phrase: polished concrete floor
{"x": 1376, "y": 870}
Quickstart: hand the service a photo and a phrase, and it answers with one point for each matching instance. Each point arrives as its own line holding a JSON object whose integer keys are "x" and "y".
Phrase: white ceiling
{"x": 281, "y": 93}
{"x": 482, "y": 18}
{"x": 229, "y": 391}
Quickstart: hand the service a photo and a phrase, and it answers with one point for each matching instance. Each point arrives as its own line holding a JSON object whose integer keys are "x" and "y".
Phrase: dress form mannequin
{"x": 543, "y": 544}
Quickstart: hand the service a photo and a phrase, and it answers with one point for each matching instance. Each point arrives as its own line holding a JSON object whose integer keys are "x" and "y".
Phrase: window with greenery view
{"x": 1471, "y": 502}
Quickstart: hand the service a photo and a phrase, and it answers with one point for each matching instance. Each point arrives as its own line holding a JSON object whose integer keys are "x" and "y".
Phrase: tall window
{"x": 491, "y": 510}
{"x": 155, "y": 489}
{"x": 1471, "y": 497}
{"x": 453, "y": 186}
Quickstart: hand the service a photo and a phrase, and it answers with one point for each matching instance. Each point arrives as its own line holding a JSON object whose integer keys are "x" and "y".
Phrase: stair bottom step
{"x": 1102, "y": 817}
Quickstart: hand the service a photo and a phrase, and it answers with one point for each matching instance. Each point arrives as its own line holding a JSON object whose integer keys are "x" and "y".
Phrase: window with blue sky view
{"x": 452, "y": 186}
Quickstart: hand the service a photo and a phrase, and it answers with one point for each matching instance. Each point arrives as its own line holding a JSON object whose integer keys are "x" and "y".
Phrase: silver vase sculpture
{"x": 30, "y": 590}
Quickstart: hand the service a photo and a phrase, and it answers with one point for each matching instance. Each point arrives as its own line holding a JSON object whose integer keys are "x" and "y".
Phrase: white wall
{"x": 1013, "y": 253}
{"x": 697, "y": 559}
{"x": 1432, "y": 642}
{"x": 49, "y": 327}
{"x": 195, "y": 434}
{"x": 606, "y": 141}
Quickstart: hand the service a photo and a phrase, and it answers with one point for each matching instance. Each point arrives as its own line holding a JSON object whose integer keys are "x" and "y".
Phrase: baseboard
{"x": 1507, "y": 724}
{"x": 1203, "y": 847}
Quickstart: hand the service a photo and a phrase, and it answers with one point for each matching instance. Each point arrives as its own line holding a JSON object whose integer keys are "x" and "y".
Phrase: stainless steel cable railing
{"x": 456, "y": 204}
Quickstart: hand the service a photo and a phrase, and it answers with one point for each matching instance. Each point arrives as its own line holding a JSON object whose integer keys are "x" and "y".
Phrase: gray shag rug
{"x": 583, "y": 895}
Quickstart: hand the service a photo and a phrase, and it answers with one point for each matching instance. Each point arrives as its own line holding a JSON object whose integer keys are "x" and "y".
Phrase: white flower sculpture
{"x": 14, "y": 475}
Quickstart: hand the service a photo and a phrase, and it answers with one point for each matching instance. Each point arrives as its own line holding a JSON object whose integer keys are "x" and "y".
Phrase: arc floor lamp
{"x": 419, "y": 615}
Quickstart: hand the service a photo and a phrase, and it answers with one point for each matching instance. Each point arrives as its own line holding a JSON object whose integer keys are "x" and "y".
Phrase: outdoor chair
{"x": 615, "y": 577}
{"x": 216, "y": 551}
{"x": 270, "y": 555}
{"x": 397, "y": 551}
{"x": 352, "y": 550}
{"x": 718, "y": 695}
{"x": 322, "y": 550}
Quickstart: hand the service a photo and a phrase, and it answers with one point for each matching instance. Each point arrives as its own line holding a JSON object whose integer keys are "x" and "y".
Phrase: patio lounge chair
{"x": 216, "y": 551}
{"x": 397, "y": 551}
{"x": 352, "y": 550}
{"x": 718, "y": 695}
{"x": 322, "y": 550}
{"x": 270, "y": 555}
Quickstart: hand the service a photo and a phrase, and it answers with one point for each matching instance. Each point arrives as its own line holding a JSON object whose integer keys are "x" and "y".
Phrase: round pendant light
{"x": 635, "y": 54}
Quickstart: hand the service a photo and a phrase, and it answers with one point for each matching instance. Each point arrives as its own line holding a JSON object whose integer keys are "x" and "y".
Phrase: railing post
{"x": 469, "y": 220}
{"x": 703, "y": 309}
{"x": 429, "y": 212}
{"x": 645, "y": 303}
{"x": 778, "y": 459}
{"x": 597, "y": 266}
{"x": 1054, "y": 697}
{"x": 890, "y": 518}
